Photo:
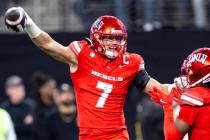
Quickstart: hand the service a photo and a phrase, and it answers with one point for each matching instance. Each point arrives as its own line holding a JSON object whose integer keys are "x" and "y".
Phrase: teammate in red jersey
{"x": 194, "y": 112}
{"x": 101, "y": 71}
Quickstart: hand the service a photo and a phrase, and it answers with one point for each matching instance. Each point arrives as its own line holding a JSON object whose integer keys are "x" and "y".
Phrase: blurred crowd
{"x": 138, "y": 15}
{"x": 178, "y": 14}
{"x": 51, "y": 113}
{"x": 49, "y": 116}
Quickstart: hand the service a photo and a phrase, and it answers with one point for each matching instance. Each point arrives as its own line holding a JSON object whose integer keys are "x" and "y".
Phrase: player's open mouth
{"x": 112, "y": 47}
{"x": 111, "y": 53}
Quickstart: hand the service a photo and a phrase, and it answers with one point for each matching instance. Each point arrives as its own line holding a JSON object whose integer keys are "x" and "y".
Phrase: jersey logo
{"x": 106, "y": 77}
{"x": 92, "y": 54}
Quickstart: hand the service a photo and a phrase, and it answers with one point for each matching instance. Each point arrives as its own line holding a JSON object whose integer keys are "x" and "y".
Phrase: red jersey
{"x": 197, "y": 117}
{"x": 101, "y": 86}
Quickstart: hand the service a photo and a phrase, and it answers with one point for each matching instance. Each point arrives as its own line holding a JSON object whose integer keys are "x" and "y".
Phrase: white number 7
{"x": 107, "y": 89}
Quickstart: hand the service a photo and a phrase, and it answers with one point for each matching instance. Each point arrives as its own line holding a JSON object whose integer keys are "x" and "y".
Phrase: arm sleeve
{"x": 10, "y": 132}
{"x": 170, "y": 130}
{"x": 141, "y": 80}
{"x": 187, "y": 114}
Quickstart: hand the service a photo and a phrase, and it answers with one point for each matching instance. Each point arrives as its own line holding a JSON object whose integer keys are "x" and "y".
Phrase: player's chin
{"x": 111, "y": 54}
{"x": 111, "y": 57}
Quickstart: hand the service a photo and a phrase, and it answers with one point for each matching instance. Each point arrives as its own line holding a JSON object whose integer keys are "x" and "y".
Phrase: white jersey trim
{"x": 77, "y": 46}
{"x": 191, "y": 100}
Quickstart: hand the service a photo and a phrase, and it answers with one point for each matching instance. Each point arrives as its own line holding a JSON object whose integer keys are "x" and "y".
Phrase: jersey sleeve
{"x": 192, "y": 97}
{"x": 141, "y": 63}
{"x": 187, "y": 114}
{"x": 142, "y": 77}
{"x": 76, "y": 47}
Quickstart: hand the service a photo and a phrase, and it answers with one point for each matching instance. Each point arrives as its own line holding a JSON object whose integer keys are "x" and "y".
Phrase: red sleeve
{"x": 187, "y": 114}
{"x": 170, "y": 130}
{"x": 140, "y": 61}
{"x": 76, "y": 47}
{"x": 141, "y": 64}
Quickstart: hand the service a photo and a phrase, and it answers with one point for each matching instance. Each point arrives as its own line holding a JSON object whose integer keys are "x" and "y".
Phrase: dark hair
{"x": 13, "y": 80}
{"x": 39, "y": 79}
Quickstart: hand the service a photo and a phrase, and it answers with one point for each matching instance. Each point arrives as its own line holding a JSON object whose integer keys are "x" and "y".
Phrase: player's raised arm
{"x": 54, "y": 49}
{"x": 18, "y": 20}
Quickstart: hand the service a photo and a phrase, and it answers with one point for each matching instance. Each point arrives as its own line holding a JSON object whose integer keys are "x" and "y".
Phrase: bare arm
{"x": 145, "y": 82}
{"x": 154, "y": 83}
{"x": 21, "y": 20}
{"x": 54, "y": 49}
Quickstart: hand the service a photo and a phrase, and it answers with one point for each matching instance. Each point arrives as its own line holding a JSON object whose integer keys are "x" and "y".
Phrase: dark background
{"x": 163, "y": 52}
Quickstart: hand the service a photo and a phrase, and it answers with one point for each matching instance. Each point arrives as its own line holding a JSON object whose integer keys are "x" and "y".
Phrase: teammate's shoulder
{"x": 195, "y": 96}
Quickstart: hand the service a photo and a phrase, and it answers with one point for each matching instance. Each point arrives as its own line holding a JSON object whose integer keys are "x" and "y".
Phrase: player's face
{"x": 16, "y": 93}
{"x": 66, "y": 103}
{"x": 48, "y": 88}
{"x": 48, "y": 91}
{"x": 112, "y": 45}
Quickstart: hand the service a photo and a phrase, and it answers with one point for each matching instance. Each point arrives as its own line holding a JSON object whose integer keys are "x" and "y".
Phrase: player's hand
{"x": 181, "y": 82}
{"x": 16, "y": 19}
{"x": 163, "y": 99}
{"x": 160, "y": 97}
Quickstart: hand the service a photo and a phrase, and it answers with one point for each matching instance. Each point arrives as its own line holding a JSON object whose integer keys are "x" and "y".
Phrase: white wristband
{"x": 181, "y": 82}
{"x": 32, "y": 29}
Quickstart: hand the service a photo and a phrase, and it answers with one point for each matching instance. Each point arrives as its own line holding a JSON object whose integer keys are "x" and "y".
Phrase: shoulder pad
{"x": 140, "y": 61}
{"x": 77, "y": 46}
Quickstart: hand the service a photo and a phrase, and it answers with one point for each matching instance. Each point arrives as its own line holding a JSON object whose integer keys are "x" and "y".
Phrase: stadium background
{"x": 163, "y": 47}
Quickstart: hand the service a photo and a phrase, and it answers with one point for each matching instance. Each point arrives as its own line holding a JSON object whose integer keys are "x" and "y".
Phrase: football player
{"x": 101, "y": 71}
{"x": 193, "y": 117}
